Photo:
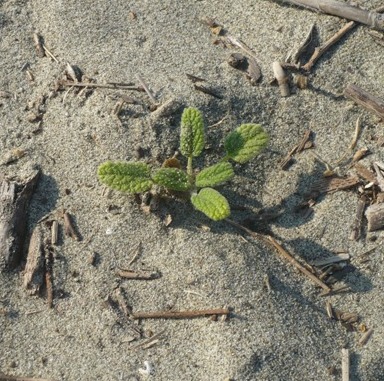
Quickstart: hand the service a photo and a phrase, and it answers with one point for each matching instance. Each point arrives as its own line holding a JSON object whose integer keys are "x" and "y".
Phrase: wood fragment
{"x": 38, "y": 42}
{"x": 375, "y": 217}
{"x": 365, "y": 173}
{"x": 303, "y": 46}
{"x": 54, "y": 232}
{"x": 73, "y": 73}
{"x": 372, "y": 19}
{"x": 208, "y": 91}
{"x": 180, "y": 314}
{"x": 365, "y": 99}
{"x": 33, "y": 277}
{"x": 50, "y": 54}
{"x": 329, "y": 309}
{"x": 377, "y": 37}
{"x": 14, "y": 200}
{"x": 136, "y": 253}
{"x": 356, "y": 231}
{"x": 194, "y": 79}
{"x": 283, "y": 253}
{"x": 288, "y": 160}
{"x": 331, "y": 260}
{"x": 147, "y": 90}
{"x": 69, "y": 229}
{"x": 320, "y": 50}
{"x": 149, "y": 340}
{"x": 345, "y": 364}
{"x": 49, "y": 276}
{"x": 367, "y": 335}
{"x": 379, "y": 175}
{"x": 304, "y": 141}
{"x": 282, "y": 79}
{"x": 357, "y": 134}
{"x": 138, "y": 275}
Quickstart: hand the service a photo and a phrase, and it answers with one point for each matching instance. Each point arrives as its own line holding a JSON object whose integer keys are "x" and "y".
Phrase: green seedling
{"x": 241, "y": 145}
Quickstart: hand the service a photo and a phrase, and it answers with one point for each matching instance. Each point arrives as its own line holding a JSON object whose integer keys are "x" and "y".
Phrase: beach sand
{"x": 278, "y": 328}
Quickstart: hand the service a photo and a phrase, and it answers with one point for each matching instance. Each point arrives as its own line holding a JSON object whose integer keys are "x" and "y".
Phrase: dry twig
{"x": 283, "y": 253}
{"x": 320, "y": 50}
{"x": 180, "y": 314}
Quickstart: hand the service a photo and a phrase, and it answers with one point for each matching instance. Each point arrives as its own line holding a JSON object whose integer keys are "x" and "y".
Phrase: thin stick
{"x": 365, "y": 99}
{"x": 320, "y": 50}
{"x": 101, "y": 85}
{"x": 283, "y": 253}
{"x": 357, "y": 134}
{"x": 147, "y": 90}
{"x": 337, "y": 8}
{"x": 50, "y": 54}
{"x": 149, "y": 340}
{"x": 179, "y": 314}
{"x": 48, "y": 280}
{"x": 345, "y": 364}
{"x": 142, "y": 275}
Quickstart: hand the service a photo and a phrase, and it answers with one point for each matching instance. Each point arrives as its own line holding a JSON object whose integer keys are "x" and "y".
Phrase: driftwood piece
{"x": 365, "y": 99}
{"x": 337, "y": 8}
{"x": 375, "y": 216}
{"x": 14, "y": 200}
{"x": 34, "y": 269}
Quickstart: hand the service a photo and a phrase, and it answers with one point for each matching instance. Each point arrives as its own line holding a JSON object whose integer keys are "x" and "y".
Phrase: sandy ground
{"x": 279, "y": 334}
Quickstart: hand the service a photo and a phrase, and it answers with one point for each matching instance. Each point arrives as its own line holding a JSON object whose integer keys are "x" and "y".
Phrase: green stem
{"x": 190, "y": 171}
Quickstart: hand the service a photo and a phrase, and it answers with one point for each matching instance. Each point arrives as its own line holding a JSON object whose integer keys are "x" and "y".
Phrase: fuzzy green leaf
{"x": 246, "y": 142}
{"x": 211, "y": 203}
{"x": 172, "y": 178}
{"x": 192, "y": 132}
{"x": 125, "y": 176}
{"x": 215, "y": 175}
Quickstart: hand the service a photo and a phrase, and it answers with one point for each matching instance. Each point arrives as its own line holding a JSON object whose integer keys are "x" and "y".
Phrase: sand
{"x": 281, "y": 333}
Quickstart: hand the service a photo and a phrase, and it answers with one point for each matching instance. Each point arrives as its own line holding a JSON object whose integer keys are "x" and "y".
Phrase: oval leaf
{"x": 125, "y": 176}
{"x": 192, "y": 132}
{"x": 211, "y": 203}
{"x": 172, "y": 178}
{"x": 246, "y": 142}
{"x": 215, "y": 175}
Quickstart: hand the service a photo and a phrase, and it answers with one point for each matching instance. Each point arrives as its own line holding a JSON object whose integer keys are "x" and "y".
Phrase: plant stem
{"x": 190, "y": 171}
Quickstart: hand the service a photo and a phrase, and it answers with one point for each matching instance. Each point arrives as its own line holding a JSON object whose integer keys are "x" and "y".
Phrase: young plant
{"x": 241, "y": 145}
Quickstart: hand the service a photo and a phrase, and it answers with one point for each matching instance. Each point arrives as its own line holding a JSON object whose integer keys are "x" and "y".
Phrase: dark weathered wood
{"x": 14, "y": 200}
